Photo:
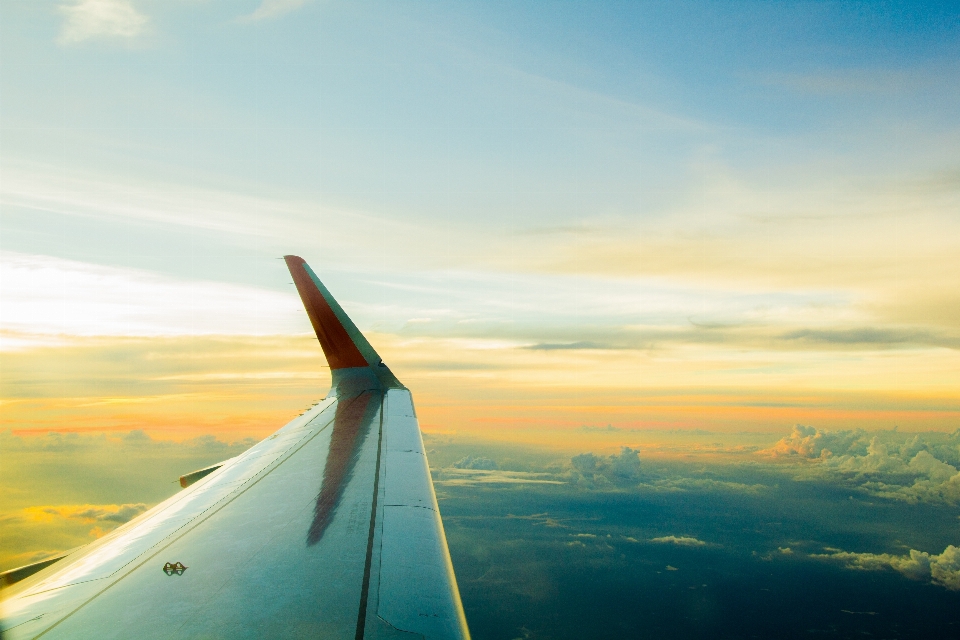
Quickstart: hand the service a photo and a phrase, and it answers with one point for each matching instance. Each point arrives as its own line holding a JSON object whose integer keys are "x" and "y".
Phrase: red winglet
{"x": 338, "y": 346}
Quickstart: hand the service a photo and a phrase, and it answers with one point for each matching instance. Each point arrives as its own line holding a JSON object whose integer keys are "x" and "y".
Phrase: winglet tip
{"x": 334, "y": 333}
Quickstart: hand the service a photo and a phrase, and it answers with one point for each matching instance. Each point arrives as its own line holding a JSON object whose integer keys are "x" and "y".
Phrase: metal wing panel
{"x": 43, "y": 601}
{"x": 417, "y": 590}
{"x": 252, "y": 571}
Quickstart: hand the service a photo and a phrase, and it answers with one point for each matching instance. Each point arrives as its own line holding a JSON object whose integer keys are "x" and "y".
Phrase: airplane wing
{"x": 329, "y": 528}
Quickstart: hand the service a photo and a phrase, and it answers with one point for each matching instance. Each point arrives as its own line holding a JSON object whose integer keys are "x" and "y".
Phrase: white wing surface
{"x": 329, "y": 528}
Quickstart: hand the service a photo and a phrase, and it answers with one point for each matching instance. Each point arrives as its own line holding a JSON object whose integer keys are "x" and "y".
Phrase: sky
{"x": 731, "y": 216}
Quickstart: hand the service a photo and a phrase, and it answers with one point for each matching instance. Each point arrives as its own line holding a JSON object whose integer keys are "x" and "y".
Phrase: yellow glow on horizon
{"x": 249, "y": 386}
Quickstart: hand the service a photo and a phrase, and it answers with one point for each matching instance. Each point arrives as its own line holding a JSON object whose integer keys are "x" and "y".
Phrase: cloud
{"x": 73, "y": 446}
{"x": 466, "y": 477}
{"x": 476, "y": 462}
{"x": 541, "y": 519}
{"x": 810, "y": 442}
{"x": 102, "y": 513}
{"x": 87, "y": 19}
{"x": 559, "y": 346}
{"x": 594, "y": 429}
{"x": 704, "y": 484}
{"x": 942, "y": 569}
{"x": 870, "y": 336}
{"x": 170, "y": 386}
{"x": 272, "y": 9}
{"x": 586, "y": 463}
{"x": 912, "y": 468}
{"x": 683, "y": 541}
{"x": 54, "y": 296}
{"x": 625, "y": 466}
{"x": 591, "y": 471}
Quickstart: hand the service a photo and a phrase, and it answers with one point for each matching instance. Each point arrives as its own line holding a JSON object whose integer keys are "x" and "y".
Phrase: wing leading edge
{"x": 328, "y": 528}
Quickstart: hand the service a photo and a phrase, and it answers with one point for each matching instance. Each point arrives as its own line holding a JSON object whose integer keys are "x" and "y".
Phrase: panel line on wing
{"x": 365, "y": 589}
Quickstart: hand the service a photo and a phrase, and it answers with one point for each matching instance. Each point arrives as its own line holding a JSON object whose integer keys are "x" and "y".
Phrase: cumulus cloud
{"x": 87, "y": 19}
{"x": 913, "y": 468}
{"x": 592, "y": 471}
{"x": 810, "y": 442}
{"x": 683, "y": 541}
{"x": 625, "y": 466}
{"x": 942, "y": 569}
{"x": 585, "y": 463}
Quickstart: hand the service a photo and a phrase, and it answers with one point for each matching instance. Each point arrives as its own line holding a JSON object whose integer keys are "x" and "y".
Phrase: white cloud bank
{"x": 87, "y": 19}
{"x": 47, "y": 296}
{"x": 943, "y": 569}
{"x": 913, "y": 468}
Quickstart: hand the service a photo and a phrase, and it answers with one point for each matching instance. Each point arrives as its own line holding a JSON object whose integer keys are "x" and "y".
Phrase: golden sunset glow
{"x": 245, "y": 386}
